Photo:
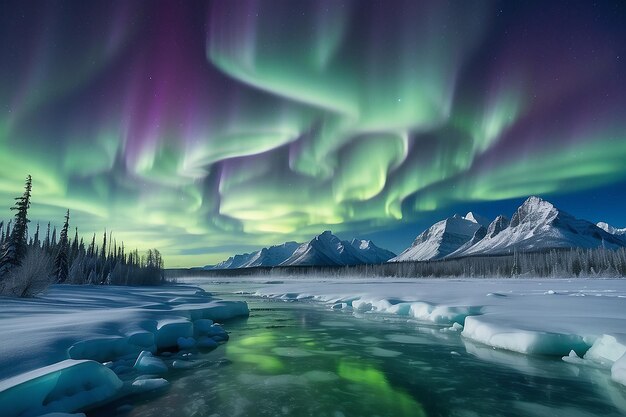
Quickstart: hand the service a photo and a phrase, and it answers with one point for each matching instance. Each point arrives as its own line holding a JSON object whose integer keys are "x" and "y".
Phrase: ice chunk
{"x": 573, "y": 358}
{"x": 456, "y": 327}
{"x": 168, "y": 332}
{"x": 217, "y": 333}
{"x": 186, "y": 342}
{"x": 66, "y": 387}
{"x": 222, "y": 310}
{"x": 401, "y": 309}
{"x": 618, "y": 370}
{"x": 202, "y": 326}
{"x": 149, "y": 364}
{"x": 442, "y": 314}
{"x": 109, "y": 348}
{"x": 607, "y": 349}
{"x": 178, "y": 364}
{"x": 361, "y": 305}
{"x": 151, "y": 384}
{"x": 496, "y": 334}
{"x": 205, "y": 342}
{"x": 610, "y": 350}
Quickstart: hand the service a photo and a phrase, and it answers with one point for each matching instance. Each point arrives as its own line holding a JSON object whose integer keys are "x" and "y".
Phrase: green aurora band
{"x": 253, "y": 123}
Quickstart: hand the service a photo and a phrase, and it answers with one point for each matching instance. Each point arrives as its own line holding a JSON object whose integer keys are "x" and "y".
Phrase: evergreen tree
{"x": 74, "y": 250}
{"x": 91, "y": 251}
{"x": 36, "y": 237}
{"x": 81, "y": 247}
{"x": 61, "y": 260}
{"x": 46, "y": 243}
{"x": 8, "y": 231}
{"x": 103, "y": 255}
{"x": 14, "y": 249}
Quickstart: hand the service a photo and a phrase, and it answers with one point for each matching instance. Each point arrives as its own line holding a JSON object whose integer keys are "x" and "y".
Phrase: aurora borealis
{"x": 208, "y": 128}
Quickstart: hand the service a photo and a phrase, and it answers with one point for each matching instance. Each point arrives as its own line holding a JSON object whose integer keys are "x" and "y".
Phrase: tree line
{"x": 28, "y": 264}
{"x": 557, "y": 263}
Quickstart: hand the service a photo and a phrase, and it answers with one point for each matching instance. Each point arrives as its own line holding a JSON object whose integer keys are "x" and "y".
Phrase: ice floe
{"x": 77, "y": 347}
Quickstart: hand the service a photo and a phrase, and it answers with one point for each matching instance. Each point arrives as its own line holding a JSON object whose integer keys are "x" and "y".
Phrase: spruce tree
{"x": 36, "y": 237}
{"x": 103, "y": 255}
{"x": 92, "y": 247}
{"x": 74, "y": 251}
{"x": 8, "y": 231}
{"x": 60, "y": 262}
{"x": 14, "y": 249}
{"x": 46, "y": 243}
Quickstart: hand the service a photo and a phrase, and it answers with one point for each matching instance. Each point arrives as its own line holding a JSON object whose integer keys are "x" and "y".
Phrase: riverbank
{"x": 579, "y": 320}
{"x": 76, "y": 347}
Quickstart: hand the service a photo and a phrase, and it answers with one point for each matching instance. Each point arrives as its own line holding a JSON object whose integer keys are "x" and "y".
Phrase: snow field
{"x": 90, "y": 345}
{"x": 529, "y": 316}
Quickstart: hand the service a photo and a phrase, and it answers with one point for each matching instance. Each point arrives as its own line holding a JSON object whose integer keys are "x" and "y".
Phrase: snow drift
{"x": 75, "y": 347}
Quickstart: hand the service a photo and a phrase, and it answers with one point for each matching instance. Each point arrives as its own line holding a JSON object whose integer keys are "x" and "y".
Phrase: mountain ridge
{"x": 536, "y": 225}
{"x": 323, "y": 249}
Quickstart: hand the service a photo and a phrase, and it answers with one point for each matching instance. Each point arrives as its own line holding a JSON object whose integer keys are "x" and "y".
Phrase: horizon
{"x": 162, "y": 124}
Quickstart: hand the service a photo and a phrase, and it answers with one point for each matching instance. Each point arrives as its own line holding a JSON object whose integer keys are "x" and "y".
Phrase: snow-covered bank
{"x": 80, "y": 346}
{"x": 529, "y": 316}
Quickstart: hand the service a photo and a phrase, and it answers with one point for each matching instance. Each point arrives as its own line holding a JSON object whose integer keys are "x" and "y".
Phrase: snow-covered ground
{"x": 80, "y": 346}
{"x": 582, "y": 320}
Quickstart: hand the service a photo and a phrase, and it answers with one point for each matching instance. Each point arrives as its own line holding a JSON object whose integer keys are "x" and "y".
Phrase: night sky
{"x": 205, "y": 129}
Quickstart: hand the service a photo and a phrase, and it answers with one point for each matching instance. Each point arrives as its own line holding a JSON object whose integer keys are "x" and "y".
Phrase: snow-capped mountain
{"x": 477, "y": 218}
{"x": 536, "y": 225}
{"x": 442, "y": 238}
{"x": 370, "y": 253}
{"x": 500, "y": 223}
{"x": 328, "y": 249}
{"x": 235, "y": 261}
{"x": 612, "y": 230}
{"x": 325, "y": 249}
{"x": 272, "y": 256}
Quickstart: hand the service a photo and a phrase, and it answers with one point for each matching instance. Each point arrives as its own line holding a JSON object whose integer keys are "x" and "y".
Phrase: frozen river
{"x": 302, "y": 358}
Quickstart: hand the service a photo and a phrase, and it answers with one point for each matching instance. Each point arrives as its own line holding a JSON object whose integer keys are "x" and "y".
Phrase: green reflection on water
{"x": 357, "y": 375}
{"x": 252, "y": 350}
{"x": 388, "y": 398}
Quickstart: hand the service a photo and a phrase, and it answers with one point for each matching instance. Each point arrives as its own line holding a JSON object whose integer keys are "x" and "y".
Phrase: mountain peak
{"x": 361, "y": 244}
{"x": 538, "y": 225}
{"x": 611, "y": 229}
{"x": 534, "y": 210}
{"x": 477, "y": 218}
{"x": 440, "y": 239}
{"x": 537, "y": 203}
{"x": 328, "y": 249}
{"x": 499, "y": 224}
{"x": 326, "y": 236}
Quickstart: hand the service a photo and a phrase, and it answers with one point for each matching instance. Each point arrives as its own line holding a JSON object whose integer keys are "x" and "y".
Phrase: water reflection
{"x": 299, "y": 359}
